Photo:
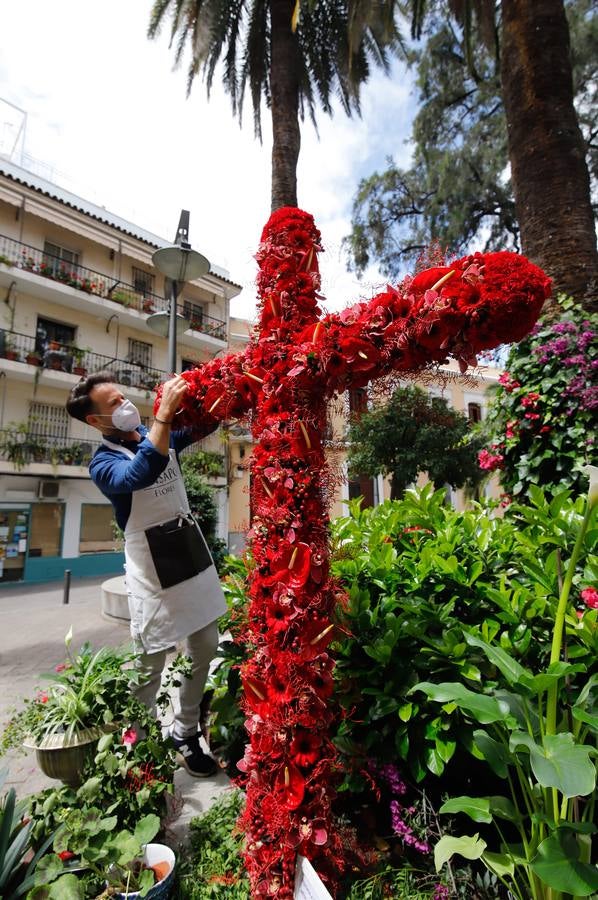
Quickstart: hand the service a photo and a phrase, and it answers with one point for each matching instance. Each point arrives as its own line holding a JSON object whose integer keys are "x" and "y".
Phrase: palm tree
{"x": 549, "y": 172}
{"x": 289, "y": 55}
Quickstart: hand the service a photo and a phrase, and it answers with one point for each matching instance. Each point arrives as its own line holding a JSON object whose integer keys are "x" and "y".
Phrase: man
{"x": 172, "y": 585}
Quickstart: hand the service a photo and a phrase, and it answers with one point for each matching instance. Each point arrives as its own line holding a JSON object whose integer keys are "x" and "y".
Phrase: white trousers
{"x": 201, "y": 646}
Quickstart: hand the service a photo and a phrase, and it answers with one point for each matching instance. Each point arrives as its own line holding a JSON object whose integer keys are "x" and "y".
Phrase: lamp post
{"x": 178, "y": 263}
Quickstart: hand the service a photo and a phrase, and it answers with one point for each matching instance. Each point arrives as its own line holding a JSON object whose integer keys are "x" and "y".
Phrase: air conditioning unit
{"x": 48, "y": 490}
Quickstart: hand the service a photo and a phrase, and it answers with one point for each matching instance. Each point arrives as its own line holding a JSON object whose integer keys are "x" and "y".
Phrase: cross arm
{"x": 476, "y": 303}
{"x": 223, "y": 388}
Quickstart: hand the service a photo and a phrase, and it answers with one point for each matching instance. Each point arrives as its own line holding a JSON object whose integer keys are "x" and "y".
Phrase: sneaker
{"x": 191, "y": 757}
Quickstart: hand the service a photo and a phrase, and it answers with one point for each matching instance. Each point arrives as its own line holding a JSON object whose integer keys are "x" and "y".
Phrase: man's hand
{"x": 173, "y": 391}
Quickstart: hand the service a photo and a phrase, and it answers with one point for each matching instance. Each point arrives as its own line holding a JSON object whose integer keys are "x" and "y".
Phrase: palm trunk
{"x": 546, "y": 148}
{"x": 284, "y": 86}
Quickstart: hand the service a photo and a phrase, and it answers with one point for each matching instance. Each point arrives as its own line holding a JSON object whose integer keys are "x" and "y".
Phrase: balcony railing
{"x": 31, "y": 259}
{"x": 21, "y": 447}
{"x": 34, "y": 351}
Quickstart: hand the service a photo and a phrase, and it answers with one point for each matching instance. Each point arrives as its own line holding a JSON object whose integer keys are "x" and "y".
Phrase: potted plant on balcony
{"x": 86, "y": 696}
{"x": 8, "y": 346}
{"x": 13, "y": 443}
{"x": 34, "y": 358}
{"x": 78, "y": 354}
{"x": 148, "y": 306}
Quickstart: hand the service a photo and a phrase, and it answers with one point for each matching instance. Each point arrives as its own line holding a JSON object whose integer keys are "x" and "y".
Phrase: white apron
{"x": 162, "y": 616}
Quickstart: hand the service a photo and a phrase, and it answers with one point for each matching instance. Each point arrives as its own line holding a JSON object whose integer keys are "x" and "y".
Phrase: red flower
{"x": 42, "y": 697}
{"x": 590, "y": 597}
{"x": 290, "y": 786}
{"x": 291, "y": 565}
{"x": 305, "y": 748}
{"x": 65, "y": 854}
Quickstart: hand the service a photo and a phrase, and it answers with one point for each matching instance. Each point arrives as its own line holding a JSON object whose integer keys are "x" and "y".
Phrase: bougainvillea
{"x": 542, "y": 422}
{"x": 295, "y": 360}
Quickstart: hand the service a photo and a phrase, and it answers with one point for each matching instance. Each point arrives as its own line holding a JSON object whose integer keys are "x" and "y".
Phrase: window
{"x": 48, "y": 331}
{"x": 474, "y": 412}
{"x": 143, "y": 281}
{"x": 140, "y": 353}
{"x": 358, "y": 401}
{"x": 187, "y": 364}
{"x": 46, "y": 529}
{"x": 97, "y": 528}
{"x": 194, "y": 312}
{"x": 48, "y": 419}
{"x": 59, "y": 257}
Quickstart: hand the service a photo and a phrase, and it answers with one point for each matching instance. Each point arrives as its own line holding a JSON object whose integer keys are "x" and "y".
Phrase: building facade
{"x": 77, "y": 286}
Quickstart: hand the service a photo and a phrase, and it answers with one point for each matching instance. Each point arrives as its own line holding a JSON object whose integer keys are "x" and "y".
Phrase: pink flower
{"x": 590, "y": 597}
{"x": 130, "y": 737}
{"x": 488, "y": 461}
{"x": 42, "y": 697}
{"x": 60, "y": 667}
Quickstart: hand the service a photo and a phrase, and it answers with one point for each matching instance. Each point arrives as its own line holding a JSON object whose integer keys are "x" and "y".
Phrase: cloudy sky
{"x": 107, "y": 117}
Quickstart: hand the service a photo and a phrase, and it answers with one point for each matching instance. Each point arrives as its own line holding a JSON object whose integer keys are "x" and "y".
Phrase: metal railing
{"x": 36, "y": 351}
{"x": 32, "y": 259}
{"x": 22, "y": 446}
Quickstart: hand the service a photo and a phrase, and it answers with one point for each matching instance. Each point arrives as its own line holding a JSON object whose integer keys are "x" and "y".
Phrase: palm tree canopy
{"x": 338, "y": 44}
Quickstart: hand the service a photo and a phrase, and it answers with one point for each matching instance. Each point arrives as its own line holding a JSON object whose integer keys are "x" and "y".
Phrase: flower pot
{"x": 11, "y": 354}
{"x": 153, "y": 854}
{"x": 61, "y": 757}
{"x": 33, "y": 360}
{"x": 79, "y": 370}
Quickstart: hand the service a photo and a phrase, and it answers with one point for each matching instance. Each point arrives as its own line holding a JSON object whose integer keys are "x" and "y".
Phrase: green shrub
{"x": 211, "y": 865}
{"x": 420, "y": 577}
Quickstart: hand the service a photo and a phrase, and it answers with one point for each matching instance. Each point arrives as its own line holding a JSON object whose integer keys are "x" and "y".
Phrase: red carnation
{"x": 305, "y": 748}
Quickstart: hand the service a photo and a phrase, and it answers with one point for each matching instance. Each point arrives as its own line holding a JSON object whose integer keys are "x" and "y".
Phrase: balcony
{"x": 24, "y": 257}
{"x": 47, "y": 453}
{"x": 34, "y": 359}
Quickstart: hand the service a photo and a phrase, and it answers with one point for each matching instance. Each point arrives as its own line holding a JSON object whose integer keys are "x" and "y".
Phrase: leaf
{"x": 477, "y": 808}
{"x": 559, "y": 763}
{"x": 557, "y": 864}
{"x": 510, "y": 668}
{"x": 147, "y": 828}
{"x": 499, "y": 863}
{"x": 48, "y": 868}
{"x": 405, "y": 711}
{"x": 67, "y": 888}
{"x": 483, "y": 708}
{"x": 496, "y": 755}
{"x": 447, "y": 846}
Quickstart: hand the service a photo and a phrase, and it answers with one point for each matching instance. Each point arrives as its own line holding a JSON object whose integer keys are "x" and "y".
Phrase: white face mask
{"x": 126, "y": 416}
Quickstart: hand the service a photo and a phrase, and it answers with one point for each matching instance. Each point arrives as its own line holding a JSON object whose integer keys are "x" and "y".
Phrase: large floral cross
{"x": 297, "y": 359}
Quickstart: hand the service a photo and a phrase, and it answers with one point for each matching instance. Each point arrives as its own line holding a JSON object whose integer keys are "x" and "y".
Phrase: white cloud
{"x": 107, "y": 112}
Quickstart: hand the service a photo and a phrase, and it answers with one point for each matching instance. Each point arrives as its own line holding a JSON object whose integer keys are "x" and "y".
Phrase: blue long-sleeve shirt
{"x": 117, "y": 476}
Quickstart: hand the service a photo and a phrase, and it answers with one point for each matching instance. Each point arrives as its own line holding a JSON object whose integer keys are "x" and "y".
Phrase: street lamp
{"x": 178, "y": 263}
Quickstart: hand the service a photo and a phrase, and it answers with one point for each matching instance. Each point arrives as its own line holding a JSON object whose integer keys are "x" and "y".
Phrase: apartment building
{"x": 77, "y": 286}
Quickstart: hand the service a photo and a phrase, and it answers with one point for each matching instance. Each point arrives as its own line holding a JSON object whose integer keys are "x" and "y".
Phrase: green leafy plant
{"x": 211, "y": 865}
{"x": 225, "y": 719}
{"x": 91, "y": 689}
{"x": 113, "y": 856}
{"x": 538, "y": 735}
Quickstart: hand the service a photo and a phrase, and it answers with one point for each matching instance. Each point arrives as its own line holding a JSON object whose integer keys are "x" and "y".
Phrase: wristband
{"x": 161, "y": 421}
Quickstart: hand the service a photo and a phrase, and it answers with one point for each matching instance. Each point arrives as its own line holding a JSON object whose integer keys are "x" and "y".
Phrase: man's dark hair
{"x": 79, "y": 404}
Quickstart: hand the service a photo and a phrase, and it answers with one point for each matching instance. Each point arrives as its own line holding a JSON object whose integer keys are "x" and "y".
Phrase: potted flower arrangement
{"x": 85, "y": 696}
{"x": 92, "y": 859}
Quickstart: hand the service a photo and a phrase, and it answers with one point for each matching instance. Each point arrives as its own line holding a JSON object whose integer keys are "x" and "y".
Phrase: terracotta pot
{"x": 79, "y": 370}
